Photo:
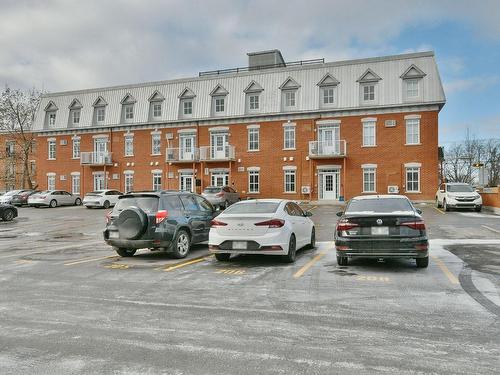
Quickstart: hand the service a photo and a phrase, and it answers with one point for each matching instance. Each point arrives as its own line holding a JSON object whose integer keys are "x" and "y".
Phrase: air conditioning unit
{"x": 390, "y": 123}
{"x": 393, "y": 189}
{"x": 63, "y": 142}
{"x": 305, "y": 189}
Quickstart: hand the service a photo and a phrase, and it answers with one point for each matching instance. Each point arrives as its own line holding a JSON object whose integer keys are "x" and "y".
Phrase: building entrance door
{"x": 186, "y": 183}
{"x": 330, "y": 184}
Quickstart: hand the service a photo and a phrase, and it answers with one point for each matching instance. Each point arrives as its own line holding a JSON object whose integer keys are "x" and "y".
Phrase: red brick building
{"x": 305, "y": 131}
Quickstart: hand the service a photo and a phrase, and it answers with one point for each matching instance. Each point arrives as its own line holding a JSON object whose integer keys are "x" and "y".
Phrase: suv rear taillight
{"x": 161, "y": 216}
{"x": 217, "y": 224}
{"x": 417, "y": 225}
{"x": 273, "y": 223}
{"x": 345, "y": 224}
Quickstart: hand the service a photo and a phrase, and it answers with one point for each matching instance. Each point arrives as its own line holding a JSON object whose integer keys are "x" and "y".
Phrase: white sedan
{"x": 54, "y": 198}
{"x": 101, "y": 198}
{"x": 261, "y": 226}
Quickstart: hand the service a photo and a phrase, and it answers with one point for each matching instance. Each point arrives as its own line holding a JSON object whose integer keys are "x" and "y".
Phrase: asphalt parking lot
{"x": 69, "y": 305}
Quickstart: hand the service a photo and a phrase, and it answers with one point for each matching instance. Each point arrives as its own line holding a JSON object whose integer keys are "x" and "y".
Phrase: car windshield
{"x": 45, "y": 192}
{"x": 380, "y": 205}
{"x": 94, "y": 193}
{"x": 147, "y": 203}
{"x": 460, "y": 188}
{"x": 12, "y": 192}
{"x": 211, "y": 190}
{"x": 255, "y": 207}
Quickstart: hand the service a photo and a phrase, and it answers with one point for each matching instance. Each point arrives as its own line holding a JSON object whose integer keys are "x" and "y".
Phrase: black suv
{"x": 160, "y": 220}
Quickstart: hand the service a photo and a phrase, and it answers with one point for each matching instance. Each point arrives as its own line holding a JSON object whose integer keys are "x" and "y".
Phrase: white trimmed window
{"x": 157, "y": 181}
{"x": 412, "y": 131}
{"x": 369, "y": 133}
{"x": 368, "y": 92}
{"x": 129, "y": 145}
{"x": 253, "y": 139}
{"x": 156, "y": 144}
{"x": 75, "y": 184}
{"x": 52, "y": 119}
{"x": 290, "y": 98}
{"x": 52, "y": 150}
{"x": 253, "y": 181}
{"x": 156, "y": 110}
{"x": 219, "y": 104}
{"x": 412, "y": 88}
{"x": 76, "y": 117}
{"x": 328, "y": 95}
{"x": 101, "y": 113}
{"x": 253, "y": 102}
{"x": 76, "y": 148}
{"x": 289, "y": 181}
{"x": 369, "y": 180}
{"x": 51, "y": 182}
{"x": 289, "y": 137}
{"x": 129, "y": 112}
{"x": 412, "y": 179}
{"x": 129, "y": 182}
{"x": 187, "y": 107}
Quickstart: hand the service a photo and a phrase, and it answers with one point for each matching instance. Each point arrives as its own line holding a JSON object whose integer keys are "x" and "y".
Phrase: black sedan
{"x": 7, "y": 212}
{"x": 381, "y": 226}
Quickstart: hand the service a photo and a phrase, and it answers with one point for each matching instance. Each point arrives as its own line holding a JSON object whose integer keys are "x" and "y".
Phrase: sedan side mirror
{"x": 339, "y": 214}
{"x": 308, "y": 213}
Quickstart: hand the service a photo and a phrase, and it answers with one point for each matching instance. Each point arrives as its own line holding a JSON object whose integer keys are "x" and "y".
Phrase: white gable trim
{"x": 365, "y": 77}
{"x": 289, "y": 84}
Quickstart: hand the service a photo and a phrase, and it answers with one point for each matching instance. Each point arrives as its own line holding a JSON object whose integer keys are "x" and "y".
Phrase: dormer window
{"x": 186, "y": 103}
{"x": 99, "y": 111}
{"x": 412, "y": 83}
{"x": 74, "y": 113}
{"x": 252, "y": 97}
{"x": 219, "y": 106}
{"x": 155, "y": 106}
{"x": 50, "y": 115}
{"x": 128, "y": 103}
{"x": 289, "y": 91}
{"x": 328, "y": 91}
{"x": 368, "y": 88}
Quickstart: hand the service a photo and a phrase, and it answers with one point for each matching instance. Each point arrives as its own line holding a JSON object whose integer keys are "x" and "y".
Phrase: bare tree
{"x": 491, "y": 159}
{"x": 17, "y": 113}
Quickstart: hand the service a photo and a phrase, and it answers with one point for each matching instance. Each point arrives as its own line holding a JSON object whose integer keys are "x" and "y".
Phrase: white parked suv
{"x": 458, "y": 195}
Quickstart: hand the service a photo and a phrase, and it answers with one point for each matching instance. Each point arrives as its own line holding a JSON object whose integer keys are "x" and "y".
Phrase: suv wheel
{"x": 478, "y": 208}
{"x": 222, "y": 257}
{"x": 125, "y": 252}
{"x": 181, "y": 244}
{"x": 422, "y": 262}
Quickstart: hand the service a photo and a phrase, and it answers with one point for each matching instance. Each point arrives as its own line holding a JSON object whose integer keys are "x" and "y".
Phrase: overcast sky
{"x": 64, "y": 45}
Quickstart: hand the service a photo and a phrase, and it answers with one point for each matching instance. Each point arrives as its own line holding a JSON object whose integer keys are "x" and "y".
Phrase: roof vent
{"x": 272, "y": 58}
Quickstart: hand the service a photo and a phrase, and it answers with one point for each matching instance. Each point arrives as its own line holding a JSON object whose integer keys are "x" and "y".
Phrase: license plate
{"x": 380, "y": 231}
{"x": 114, "y": 235}
{"x": 239, "y": 245}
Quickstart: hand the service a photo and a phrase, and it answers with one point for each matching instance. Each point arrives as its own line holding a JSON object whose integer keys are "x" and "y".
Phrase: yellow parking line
{"x": 89, "y": 260}
{"x": 445, "y": 270}
{"x": 184, "y": 264}
{"x": 493, "y": 230}
{"x": 308, "y": 265}
{"x": 440, "y": 211}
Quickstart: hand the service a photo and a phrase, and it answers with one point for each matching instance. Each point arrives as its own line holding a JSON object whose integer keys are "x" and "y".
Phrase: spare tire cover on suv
{"x": 132, "y": 223}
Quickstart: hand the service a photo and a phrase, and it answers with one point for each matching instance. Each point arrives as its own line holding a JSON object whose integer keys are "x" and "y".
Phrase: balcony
{"x": 327, "y": 149}
{"x": 183, "y": 155}
{"x": 96, "y": 158}
{"x": 217, "y": 153}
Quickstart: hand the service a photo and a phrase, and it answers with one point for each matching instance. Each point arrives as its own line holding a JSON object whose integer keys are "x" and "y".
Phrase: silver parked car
{"x": 7, "y": 197}
{"x": 101, "y": 198}
{"x": 54, "y": 198}
{"x": 221, "y": 196}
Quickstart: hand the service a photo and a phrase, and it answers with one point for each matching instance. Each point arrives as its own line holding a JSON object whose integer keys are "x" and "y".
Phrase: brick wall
{"x": 390, "y": 155}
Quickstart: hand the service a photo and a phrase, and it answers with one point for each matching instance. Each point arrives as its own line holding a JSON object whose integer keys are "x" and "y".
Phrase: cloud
{"x": 64, "y": 45}
{"x": 470, "y": 84}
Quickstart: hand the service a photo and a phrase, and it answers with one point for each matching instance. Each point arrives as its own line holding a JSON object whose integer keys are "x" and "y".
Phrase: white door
{"x": 186, "y": 183}
{"x": 330, "y": 183}
{"x": 100, "y": 150}
{"x": 187, "y": 148}
{"x": 329, "y": 141}
{"x": 99, "y": 183}
{"x": 219, "y": 146}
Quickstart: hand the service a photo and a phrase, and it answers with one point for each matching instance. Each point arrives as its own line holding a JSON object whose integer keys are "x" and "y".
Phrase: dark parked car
{"x": 163, "y": 220}
{"x": 381, "y": 226}
{"x": 21, "y": 199}
{"x": 7, "y": 212}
